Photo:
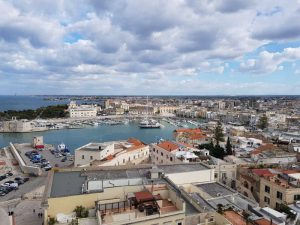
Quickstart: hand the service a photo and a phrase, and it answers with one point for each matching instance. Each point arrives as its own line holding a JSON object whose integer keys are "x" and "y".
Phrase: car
{"x": 9, "y": 174}
{"x": 2, "y": 193}
{"x": 19, "y": 182}
{"x": 18, "y": 178}
{"x": 64, "y": 159}
{"x": 47, "y": 168}
{"x": 26, "y": 179}
{"x": 9, "y": 182}
{"x": 2, "y": 177}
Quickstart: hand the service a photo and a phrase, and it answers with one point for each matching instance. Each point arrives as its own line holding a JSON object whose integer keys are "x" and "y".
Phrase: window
{"x": 162, "y": 154}
{"x": 216, "y": 175}
{"x": 91, "y": 157}
{"x": 267, "y": 200}
{"x": 267, "y": 189}
{"x": 296, "y": 197}
{"x": 82, "y": 157}
{"x": 277, "y": 205}
{"x": 171, "y": 158}
{"x": 123, "y": 160}
{"x": 279, "y": 195}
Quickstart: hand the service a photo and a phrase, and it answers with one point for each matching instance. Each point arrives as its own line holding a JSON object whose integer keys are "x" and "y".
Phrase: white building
{"x": 113, "y": 153}
{"x": 76, "y": 111}
{"x": 168, "y": 152}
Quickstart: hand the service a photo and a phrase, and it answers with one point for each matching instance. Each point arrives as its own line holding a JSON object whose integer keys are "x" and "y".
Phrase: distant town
{"x": 230, "y": 160}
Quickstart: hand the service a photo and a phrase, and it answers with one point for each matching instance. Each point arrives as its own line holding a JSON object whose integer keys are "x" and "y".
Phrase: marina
{"x": 106, "y": 130}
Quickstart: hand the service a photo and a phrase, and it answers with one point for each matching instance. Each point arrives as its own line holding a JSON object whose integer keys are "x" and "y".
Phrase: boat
{"x": 149, "y": 123}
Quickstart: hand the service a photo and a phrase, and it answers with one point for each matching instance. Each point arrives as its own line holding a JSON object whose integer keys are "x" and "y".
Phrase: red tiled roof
{"x": 189, "y": 130}
{"x": 109, "y": 157}
{"x": 262, "y": 172}
{"x": 234, "y": 218}
{"x": 135, "y": 142}
{"x": 168, "y": 145}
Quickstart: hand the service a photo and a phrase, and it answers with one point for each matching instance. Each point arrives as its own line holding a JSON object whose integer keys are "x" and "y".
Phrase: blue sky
{"x": 197, "y": 47}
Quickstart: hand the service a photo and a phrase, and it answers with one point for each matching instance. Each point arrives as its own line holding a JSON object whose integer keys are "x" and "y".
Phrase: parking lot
{"x": 55, "y": 160}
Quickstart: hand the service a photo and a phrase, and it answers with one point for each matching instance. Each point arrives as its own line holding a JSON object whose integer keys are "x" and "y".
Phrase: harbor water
{"x": 75, "y": 138}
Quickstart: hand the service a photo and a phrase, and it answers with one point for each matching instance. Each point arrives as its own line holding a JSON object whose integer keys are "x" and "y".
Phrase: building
{"x": 168, "y": 152}
{"x": 191, "y": 136}
{"x": 282, "y": 188}
{"x": 17, "y": 126}
{"x": 127, "y": 195}
{"x": 78, "y": 111}
{"x": 115, "y": 153}
{"x": 38, "y": 142}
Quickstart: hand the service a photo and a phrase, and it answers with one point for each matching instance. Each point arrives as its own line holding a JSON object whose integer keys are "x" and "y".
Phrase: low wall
{"x": 32, "y": 170}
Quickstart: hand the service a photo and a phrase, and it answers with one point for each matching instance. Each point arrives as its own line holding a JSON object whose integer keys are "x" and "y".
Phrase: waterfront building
{"x": 114, "y": 153}
{"x": 15, "y": 125}
{"x": 79, "y": 111}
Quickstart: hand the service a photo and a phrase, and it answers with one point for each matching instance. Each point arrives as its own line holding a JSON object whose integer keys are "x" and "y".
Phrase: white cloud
{"x": 268, "y": 62}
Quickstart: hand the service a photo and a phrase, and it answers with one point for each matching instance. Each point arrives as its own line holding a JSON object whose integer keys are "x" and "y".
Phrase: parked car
{"x": 48, "y": 167}
{"x": 20, "y": 182}
{"x": 9, "y": 174}
{"x": 2, "y": 177}
{"x": 64, "y": 159}
{"x": 9, "y": 182}
{"x": 18, "y": 178}
{"x": 26, "y": 179}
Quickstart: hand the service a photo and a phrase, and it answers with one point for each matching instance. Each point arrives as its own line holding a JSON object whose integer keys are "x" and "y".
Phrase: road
{"x": 32, "y": 184}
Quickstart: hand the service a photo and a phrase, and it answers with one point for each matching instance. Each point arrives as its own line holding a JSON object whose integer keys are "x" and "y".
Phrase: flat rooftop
{"x": 66, "y": 183}
{"x": 181, "y": 168}
{"x": 215, "y": 189}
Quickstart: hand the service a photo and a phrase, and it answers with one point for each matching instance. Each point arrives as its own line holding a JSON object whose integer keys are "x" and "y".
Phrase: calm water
{"x": 25, "y": 102}
{"x": 75, "y": 138}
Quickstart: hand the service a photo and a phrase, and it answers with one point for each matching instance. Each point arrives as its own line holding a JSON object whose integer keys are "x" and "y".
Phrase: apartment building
{"x": 128, "y": 195}
{"x": 283, "y": 188}
{"x": 115, "y": 153}
{"x": 78, "y": 111}
{"x": 168, "y": 152}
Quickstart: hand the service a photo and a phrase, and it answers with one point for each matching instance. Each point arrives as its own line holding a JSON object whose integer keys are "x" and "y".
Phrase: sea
{"x": 75, "y": 138}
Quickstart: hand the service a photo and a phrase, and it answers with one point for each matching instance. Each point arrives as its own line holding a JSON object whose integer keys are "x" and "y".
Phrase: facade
{"x": 78, "y": 111}
{"x": 282, "y": 188}
{"x": 168, "y": 152}
{"x": 113, "y": 153}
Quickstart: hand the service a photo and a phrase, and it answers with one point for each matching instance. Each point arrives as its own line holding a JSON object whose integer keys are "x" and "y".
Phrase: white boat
{"x": 95, "y": 124}
{"x": 149, "y": 123}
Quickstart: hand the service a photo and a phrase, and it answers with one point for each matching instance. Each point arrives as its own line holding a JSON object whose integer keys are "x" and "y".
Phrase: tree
{"x": 81, "y": 212}
{"x": 228, "y": 147}
{"x": 217, "y": 152}
{"x": 263, "y": 122}
{"x": 218, "y": 134}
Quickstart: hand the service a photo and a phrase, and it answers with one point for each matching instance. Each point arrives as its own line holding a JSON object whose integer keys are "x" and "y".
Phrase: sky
{"x": 157, "y": 47}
